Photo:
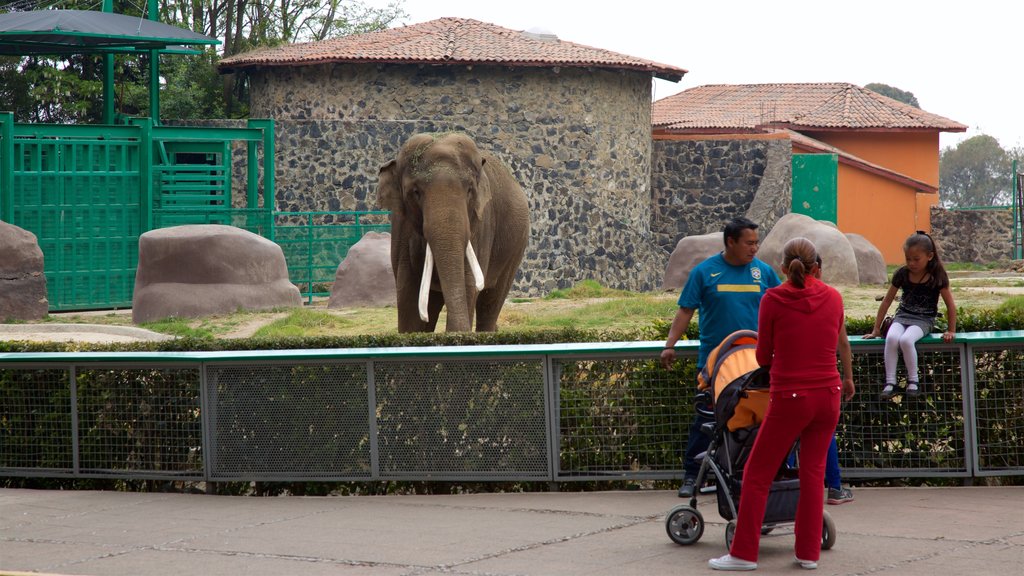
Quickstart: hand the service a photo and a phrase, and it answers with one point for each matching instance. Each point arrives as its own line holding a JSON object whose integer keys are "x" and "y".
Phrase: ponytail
{"x": 798, "y": 258}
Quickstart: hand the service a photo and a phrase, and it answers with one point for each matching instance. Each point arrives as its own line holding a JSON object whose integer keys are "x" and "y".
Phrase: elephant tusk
{"x": 428, "y": 271}
{"x": 474, "y": 265}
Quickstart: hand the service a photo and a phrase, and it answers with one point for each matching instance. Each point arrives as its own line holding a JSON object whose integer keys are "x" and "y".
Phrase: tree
{"x": 67, "y": 89}
{"x": 894, "y": 93}
{"x": 975, "y": 173}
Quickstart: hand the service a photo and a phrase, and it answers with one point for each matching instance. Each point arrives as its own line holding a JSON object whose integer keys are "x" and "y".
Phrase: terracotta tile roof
{"x": 449, "y": 41}
{"x": 826, "y": 106}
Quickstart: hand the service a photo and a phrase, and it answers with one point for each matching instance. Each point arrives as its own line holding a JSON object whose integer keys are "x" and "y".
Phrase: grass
{"x": 1013, "y": 304}
{"x": 304, "y": 322}
{"x": 620, "y": 313}
{"x": 588, "y": 305}
{"x": 588, "y": 289}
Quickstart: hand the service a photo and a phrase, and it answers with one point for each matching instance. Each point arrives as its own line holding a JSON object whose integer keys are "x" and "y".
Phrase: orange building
{"x": 864, "y": 161}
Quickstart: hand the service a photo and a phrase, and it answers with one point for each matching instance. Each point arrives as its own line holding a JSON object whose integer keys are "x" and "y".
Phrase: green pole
{"x": 145, "y": 173}
{"x": 154, "y": 73}
{"x": 6, "y": 167}
{"x": 1015, "y": 187}
{"x": 108, "y": 76}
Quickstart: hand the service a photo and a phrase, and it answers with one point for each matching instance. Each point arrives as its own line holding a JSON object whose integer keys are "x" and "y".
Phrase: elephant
{"x": 459, "y": 229}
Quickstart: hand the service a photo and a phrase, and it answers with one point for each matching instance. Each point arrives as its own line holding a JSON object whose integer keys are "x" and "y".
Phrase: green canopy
{"x": 50, "y": 32}
{"x": 58, "y": 32}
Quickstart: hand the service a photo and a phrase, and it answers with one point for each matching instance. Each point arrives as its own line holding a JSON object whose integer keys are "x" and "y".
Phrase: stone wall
{"x": 697, "y": 185}
{"x": 577, "y": 140}
{"x": 981, "y": 236}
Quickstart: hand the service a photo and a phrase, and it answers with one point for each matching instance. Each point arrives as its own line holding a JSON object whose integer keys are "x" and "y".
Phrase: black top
{"x": 919, "y": 299}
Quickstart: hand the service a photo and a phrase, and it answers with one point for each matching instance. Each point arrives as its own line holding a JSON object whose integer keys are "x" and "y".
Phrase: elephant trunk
{"x": 428, "y": 271}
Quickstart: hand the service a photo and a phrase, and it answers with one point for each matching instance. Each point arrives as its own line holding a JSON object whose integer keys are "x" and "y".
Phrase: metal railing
{"x": 475, "y": 413}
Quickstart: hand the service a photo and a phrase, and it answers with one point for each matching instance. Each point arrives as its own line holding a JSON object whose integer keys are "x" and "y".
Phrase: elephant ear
{"x": 482, "y": 194}
{"x": 388, "y": 195}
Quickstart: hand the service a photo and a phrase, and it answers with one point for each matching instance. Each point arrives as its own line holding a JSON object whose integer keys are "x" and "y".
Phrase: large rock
{"x": 199, "y": 270}
{"x": 22, "y": 282}
{"x": 689, "y": 252}
{"x": 870, "y": 263}
{"x": 839, "y": 260}
{"x": 365, "y": 278}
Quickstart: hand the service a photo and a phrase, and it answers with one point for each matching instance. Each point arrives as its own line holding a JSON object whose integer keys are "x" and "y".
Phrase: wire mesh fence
{"x": 604, "y": 411}
{"x": 625, "y": 416}
{"x": 998, "y": 376}
{"x": 906, "y": 435}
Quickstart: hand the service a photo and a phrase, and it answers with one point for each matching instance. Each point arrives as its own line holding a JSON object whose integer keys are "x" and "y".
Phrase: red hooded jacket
{"x": 798, "y": 331}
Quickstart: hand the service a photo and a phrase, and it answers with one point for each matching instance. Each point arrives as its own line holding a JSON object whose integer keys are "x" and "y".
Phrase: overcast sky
{"x": 962, "y": 60}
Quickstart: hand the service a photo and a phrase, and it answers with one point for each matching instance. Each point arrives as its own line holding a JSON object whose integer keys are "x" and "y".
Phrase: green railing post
{"x": 108, "y": 76}
{"x": 309, "y": 260}
{"x": 267, "y": 126}
{"x": 145, "y": 126}
{"x": 1018, "y": 242}
{"x": 7, "y": 167}
{"x": 154, "y": 70}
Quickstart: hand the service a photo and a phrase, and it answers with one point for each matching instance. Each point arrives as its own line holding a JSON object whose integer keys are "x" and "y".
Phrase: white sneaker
{"x": 806, "y": 564}
{"x": 727, "y": 562}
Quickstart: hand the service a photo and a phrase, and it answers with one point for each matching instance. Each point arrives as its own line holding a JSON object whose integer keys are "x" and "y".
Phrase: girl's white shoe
{"x": 728, "y": 562}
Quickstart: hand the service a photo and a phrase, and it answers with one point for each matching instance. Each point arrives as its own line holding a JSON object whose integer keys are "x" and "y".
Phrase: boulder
{"x": 22, "y": 282}
{"x": 838, "y": 258}
{"x": 870, "y": 263}
{"x": 198, "y": 270}
{"x": 365, "y": 277}
{"x": 689, "y": 252}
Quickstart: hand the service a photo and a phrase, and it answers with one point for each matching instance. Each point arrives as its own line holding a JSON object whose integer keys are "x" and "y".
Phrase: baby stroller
{"x": 734, "y": 392}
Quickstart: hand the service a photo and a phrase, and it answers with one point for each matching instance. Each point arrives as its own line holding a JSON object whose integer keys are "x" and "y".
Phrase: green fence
{"x": 315, "y": 243}
{"x": 554, "y": 412}
{"x": 89, "y": 191}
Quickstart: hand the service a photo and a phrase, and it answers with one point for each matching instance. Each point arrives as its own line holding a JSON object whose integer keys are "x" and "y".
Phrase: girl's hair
{"x": 937, "y": 277}
{"x": 798, "y": 257}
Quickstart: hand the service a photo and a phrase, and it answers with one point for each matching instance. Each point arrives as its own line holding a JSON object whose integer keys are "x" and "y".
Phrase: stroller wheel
{"x": 828, "y": 532}
{"x": 730, "y": 533}
{"x": 684, "y": 525}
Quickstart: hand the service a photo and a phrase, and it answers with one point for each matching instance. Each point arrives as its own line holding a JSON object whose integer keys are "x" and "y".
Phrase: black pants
{"x": 697, "y": 442}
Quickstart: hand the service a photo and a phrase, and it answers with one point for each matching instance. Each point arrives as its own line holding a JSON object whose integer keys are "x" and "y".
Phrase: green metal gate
{"x": 88, "y": 192}
{"x": 815, "y": 185}
{"x": 80, "y": 195}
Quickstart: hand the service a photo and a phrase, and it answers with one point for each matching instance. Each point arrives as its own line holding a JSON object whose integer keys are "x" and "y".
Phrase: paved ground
{"x": 53, "y": 332}
{"x": 887, "y": 531}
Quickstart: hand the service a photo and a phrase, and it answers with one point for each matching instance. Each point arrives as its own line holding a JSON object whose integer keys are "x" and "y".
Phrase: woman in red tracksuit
{"x": 801, "y": 325}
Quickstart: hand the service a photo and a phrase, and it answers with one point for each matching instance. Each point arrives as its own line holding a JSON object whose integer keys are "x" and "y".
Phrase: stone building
{"x": 573, "y": 122}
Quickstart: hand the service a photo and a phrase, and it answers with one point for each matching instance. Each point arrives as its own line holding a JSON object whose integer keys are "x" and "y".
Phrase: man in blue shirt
{"x": 726, "y": 290}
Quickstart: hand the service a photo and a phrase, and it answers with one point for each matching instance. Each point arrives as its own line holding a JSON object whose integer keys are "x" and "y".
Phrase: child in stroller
{"x": 735, "y": 392}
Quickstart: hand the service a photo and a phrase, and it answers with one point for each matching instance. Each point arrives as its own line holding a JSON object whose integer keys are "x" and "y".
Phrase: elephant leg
{"x": 488, "y": 306}
{"x": 407, "y": 286}
{"x": 434, "y": 306}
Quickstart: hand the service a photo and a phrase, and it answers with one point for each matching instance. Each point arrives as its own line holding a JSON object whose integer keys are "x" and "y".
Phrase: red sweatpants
{"x": 810, "y": 415}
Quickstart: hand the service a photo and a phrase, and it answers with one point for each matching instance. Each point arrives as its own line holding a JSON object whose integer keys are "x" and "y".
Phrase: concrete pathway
{"x": 888, "y": 531}
{"x": 96, "y": 333}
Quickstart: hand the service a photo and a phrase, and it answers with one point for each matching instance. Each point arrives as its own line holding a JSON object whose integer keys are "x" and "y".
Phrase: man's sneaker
{"x": 839, "y": 495}
{"x": 689, "y": 485}
{"x": 728, "y": 562}
{"x": 807, "y": 564}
